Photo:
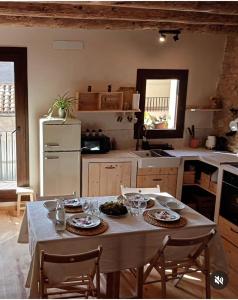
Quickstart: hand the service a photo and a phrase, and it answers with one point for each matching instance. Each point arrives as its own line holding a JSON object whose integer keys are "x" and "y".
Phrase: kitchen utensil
{"x": 193, "y": 131}
{"x": 190, "y": 131}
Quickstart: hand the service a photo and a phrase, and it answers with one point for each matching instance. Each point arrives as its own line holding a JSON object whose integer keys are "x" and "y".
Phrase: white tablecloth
{"x": 129, "y": 242}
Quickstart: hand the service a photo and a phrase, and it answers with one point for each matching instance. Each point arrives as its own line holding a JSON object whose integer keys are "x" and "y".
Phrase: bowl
{"x": 174, "y": 205}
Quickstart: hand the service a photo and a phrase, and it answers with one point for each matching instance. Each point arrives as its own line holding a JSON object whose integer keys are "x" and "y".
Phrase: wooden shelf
{"x": 110, "y": 111}
{"x": 202, "y": 187}
{"x": 203, "y": 109}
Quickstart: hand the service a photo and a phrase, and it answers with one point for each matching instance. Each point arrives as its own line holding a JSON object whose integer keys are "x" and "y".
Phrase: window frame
{"x": 142, "y": 76}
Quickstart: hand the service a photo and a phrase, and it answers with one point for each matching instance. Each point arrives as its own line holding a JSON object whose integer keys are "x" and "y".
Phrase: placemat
{"x": 176, "y": 224}
{"x": 72, "y": 210}
{"x": 150, "y": 203}
{"x": 88, "y": 232}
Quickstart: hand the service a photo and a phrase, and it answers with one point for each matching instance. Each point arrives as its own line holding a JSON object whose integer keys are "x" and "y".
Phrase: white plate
{"x": 175, "y": 205}
{"x": 72, "y": 202}
{"x": 167, "y": 215}
{"x": 164, "y": 199}
{"x": 83, "y": 220}
{"x": 50, "y": 205}
{"x": 147, "y": 197}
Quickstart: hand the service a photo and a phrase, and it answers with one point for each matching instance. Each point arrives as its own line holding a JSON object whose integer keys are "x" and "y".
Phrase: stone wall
{"x": 227, "y": 90}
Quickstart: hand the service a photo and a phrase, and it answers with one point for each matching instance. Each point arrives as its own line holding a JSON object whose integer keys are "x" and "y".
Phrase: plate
{"x": 164, "y": 199}
{"x": 50, "y": 205}
{"x": 83, "y": 220}
{"x": 146, "y": 197}
{"x": 72, "y": 202}
{"x": 166, "y": 215}
{"x": 175, "y": 205}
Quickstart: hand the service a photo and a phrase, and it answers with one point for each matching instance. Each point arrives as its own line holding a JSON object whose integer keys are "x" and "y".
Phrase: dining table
{"x": 129, "y": 242}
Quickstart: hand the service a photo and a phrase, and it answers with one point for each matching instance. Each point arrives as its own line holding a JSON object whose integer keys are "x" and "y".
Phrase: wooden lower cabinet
{"x": 105, "y": 179}
{"x": 166, "y": 178}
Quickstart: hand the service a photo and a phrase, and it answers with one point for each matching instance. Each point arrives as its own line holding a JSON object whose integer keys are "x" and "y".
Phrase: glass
{"x": 60, "y": 222}
{"x": 134, "y": 203}
{"x": 142, "y": 205}
{"x": 85, "y": 205}
{"x": 95, "y": 208}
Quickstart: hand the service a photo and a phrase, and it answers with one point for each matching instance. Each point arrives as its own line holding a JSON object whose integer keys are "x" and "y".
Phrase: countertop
{"x": 213, "y": 157}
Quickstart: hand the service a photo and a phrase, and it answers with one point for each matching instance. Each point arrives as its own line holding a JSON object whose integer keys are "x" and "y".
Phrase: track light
{"x": 175, "y": 33}
{"x": 162, "y": 38}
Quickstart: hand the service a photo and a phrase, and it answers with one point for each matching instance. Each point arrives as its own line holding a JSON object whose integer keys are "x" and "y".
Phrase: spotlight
{"x": 162, "y": 38}
{"x": 174, "y": 32}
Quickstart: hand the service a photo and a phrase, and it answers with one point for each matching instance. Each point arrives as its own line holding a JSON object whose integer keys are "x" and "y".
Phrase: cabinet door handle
{"x": 157, "y": 179}
{"x": 110, "y": 167}
{"x": 51, "y": 157}
{"x": 233, "y": 230}
{"x": 52, "y": 145}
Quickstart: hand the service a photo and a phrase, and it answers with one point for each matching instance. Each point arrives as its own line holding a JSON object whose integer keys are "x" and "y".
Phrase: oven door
{"x": 229, "y": 202}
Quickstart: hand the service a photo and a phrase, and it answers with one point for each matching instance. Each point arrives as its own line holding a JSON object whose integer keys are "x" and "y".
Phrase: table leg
{"x": 139, "y": 283}
{"x": 113, "y": 285}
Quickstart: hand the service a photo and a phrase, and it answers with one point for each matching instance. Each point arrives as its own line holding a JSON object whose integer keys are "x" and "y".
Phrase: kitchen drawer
{"x": 232, "y": 254}
{"x": 228, "y": 230}
{"x": 157, "y": 171}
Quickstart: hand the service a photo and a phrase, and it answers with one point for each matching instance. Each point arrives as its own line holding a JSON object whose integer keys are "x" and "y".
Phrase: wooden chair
{"x": 155, "y": 190}
{"x": 79, "y": 282}
{"x": 188, "y": 264}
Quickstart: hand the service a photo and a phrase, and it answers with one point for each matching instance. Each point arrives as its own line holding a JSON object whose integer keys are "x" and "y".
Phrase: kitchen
{"x": 113, "y": 58}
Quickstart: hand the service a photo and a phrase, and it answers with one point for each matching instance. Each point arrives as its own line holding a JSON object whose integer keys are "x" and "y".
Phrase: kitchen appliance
{"x": 229, "y": 196}
{"x": 95, "y": 143}
{"x": 60, "y": 146}
{"x": 210, "y": 142}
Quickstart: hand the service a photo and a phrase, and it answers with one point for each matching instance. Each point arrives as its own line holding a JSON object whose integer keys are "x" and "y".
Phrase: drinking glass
{"x": 142, "y": 205}
{"x": 85, "y": 205}
{"x": 95, "y": 208}
{"x": 136, "y": 204}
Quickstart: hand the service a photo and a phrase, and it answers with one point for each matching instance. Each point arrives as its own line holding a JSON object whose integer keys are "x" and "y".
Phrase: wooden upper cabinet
{"x": 166, "y": 178}
{"x": 105, "y": 179}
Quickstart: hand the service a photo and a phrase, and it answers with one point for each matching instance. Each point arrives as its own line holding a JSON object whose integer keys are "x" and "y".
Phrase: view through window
{"x": 161, "y": 99}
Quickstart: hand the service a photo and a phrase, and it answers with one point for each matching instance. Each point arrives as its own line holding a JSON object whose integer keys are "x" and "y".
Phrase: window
{"x": 162, "y": 103}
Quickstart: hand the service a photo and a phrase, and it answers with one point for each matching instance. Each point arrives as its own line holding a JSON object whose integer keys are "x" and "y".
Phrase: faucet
{"x": 141, "y": 129}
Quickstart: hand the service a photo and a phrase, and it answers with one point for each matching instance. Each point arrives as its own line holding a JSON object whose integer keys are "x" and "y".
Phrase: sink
{"x": 156, "y": 158}
{"x": 152, "y": 153}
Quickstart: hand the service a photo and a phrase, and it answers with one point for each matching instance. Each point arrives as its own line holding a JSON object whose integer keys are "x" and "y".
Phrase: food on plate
{"x": 113, "y": 208}
{"x": 166, "y": 215}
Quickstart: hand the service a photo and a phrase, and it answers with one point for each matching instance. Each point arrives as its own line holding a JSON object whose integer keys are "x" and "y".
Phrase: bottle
{"x": 87, "y": 132}
{"x": 100, "y": 132}
{"x": 60, "y": 223}
{"x": 109, "y": 88}
{"x": 89, "y": 88}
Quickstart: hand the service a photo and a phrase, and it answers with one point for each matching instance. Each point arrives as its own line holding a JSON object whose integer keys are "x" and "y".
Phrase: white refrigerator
{"x": 60, "y": 145}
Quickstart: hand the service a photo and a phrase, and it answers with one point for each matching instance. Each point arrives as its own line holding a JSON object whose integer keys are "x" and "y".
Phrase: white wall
{"x": 109, "y": 57}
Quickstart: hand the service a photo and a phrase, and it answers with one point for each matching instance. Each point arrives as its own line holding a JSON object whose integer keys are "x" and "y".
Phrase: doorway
{"x": 14, "y": 152}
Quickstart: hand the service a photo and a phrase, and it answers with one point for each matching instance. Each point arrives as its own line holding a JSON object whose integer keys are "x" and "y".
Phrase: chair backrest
{"x": 193, "y": 247}
{"x": 58, "y": 268}
{"x": 155, "y": 190}
{"x": 43, "y": 198}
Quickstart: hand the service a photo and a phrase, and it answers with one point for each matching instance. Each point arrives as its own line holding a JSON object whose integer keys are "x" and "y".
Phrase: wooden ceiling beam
{"x": 214, "y": 7}
{"x": 77, "y": 11}
{"x": 110, "y": 24}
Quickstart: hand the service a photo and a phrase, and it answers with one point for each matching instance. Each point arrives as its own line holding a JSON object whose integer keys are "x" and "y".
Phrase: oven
{"x": 229, "y": 197}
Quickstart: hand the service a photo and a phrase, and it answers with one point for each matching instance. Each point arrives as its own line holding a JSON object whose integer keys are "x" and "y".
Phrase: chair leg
{"x": 32, "y": 198}
{"x": 18, "y": 205}
{"x": 139, "y": 283}
{"x": 163, "y": 283}
{"x": 207, "y": 273}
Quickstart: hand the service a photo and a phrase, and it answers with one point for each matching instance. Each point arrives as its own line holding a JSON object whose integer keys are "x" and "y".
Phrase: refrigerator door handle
{"x": 51, "y": 157}
{"x": 52, "y": 145}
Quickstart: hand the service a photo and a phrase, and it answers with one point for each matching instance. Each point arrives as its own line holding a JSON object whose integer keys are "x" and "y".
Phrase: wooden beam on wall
{"x": 101, "y": 12}
{"x": 110, "y": 24}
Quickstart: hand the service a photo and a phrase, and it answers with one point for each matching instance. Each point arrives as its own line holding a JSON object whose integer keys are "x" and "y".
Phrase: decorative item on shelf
{"x": 64, "y": 105}
{"x": 111, "y": 101}
{"x": 109, "y": 88}
{"x": 136, "y": 101}
{"x": 127, "y": 97}
{"x": 89, "y": 88}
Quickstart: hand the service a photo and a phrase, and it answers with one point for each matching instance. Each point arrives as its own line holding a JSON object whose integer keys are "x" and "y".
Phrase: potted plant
{"x": 63, "y": 104}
